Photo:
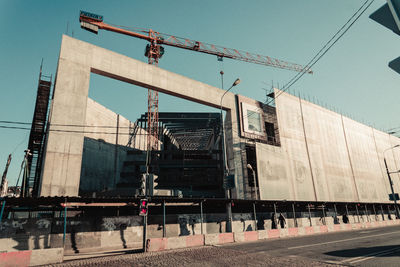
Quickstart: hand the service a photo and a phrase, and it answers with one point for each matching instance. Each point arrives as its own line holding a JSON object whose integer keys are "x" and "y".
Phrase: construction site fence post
{"x": 276, "y": 223}
{"x": 376, "y": 216}
{"x": 366, "y": 213}
{"x": 201, "y": 216}
{"x": 358, "y": 215}
{"x": 145, "y": 233}
{"x": 294, "y": 215}
{"x": 2, "y": 210}
{"x": 164, "y": 230}
{"x": 255, "y": 216}
{"x": 65, "y": 224}
{"x": 229, "y": 211}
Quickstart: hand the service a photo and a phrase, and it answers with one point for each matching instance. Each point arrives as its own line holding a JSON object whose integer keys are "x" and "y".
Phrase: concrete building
{"x": 297, "y": 150}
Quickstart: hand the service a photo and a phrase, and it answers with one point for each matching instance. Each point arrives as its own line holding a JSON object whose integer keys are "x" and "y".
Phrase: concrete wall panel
{"x": 98, "y": 116}
{"x": 273, "y": 177}
{"x": 340, "y": 158}
{"x": 64, "y": 149}
{"x": 382, "y": 142}
{"x": 290, "y": 123}
{"x": 396, "y": 162}
{"x": 363, "y": 155}
{"x": 328, "y": 154}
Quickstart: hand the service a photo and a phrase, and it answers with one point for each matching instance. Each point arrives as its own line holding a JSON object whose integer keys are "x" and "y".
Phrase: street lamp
{"x": 390, "y": 180}
{"x": 255, "y": 180}
{"x": 226, "y": 169}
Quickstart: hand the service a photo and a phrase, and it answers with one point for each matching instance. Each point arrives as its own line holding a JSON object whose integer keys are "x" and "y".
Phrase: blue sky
{"x": 352, "y": 77}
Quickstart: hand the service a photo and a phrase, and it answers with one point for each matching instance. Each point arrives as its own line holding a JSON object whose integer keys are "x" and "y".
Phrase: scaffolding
{"x": 37, "y": 134}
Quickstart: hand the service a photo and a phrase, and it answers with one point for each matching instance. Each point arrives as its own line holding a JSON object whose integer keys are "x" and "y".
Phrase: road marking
{"x": 370, "y": 256}
{"x": 366, "y": 232}
{"x": 343, "y": 240}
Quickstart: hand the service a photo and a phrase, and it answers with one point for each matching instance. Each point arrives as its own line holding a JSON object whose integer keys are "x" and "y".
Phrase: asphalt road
{"x": 366, "y": 247}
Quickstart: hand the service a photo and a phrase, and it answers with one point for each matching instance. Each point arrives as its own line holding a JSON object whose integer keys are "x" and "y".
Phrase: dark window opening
{"x": 270, "y": 130}
{"x": 251, "y": 165}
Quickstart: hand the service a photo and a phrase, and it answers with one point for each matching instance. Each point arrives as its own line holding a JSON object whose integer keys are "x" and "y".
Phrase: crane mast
{"x": 154, "y": 51}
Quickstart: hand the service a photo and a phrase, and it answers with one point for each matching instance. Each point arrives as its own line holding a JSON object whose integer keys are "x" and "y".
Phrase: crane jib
{"x": 93, "y": 22}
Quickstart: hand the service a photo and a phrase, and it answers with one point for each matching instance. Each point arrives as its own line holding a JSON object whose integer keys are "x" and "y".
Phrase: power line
{"x": 71, "y": 131}
{"x": 393, "y": 129}
{"x": 68, "y": 125}
{"x": 292, "y": 81}
{"x": 328, "y": 45}
{"x": 14, "y": 127}
{"x": 97, "y": 126}
{"x": 349, "y": 23}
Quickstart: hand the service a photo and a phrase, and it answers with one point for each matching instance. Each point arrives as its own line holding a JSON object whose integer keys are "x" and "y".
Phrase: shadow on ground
{"x": 379, "y": 251}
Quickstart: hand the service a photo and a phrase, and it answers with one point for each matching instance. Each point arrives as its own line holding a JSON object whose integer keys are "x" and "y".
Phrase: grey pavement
{"x": 201, "y": 257}
{"x": 366, "y": 247}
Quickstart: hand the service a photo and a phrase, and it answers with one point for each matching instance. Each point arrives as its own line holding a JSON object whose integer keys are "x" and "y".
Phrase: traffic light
{"x": 143, "y": 209}
{"x": 388, "y": 16}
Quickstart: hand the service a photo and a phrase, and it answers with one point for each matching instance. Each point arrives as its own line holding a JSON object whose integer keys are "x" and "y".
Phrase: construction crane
{"x": 154, "y": 51}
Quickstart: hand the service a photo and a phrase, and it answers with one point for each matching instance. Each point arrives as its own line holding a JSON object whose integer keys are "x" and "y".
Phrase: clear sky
{"x": 352, "y": 77}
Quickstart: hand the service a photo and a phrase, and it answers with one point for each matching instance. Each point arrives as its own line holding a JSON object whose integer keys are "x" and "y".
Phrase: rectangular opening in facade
{"x": 252, "y": 178}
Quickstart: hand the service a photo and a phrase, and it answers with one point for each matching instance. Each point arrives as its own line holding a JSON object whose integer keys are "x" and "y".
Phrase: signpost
{"x": 396, "y": 196}
{"x": 143, "y": 211}
{"x": 229, "y": 182}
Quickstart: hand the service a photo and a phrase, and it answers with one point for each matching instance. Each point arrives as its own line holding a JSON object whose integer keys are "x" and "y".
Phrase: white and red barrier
{"x": 35, "y": 257}
{"x": 159, "y": 244}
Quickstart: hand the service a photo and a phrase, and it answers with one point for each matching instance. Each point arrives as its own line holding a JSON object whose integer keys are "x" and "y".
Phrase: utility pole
{"x": 25, "y": 182}
{"x": 224, "y": 156}
{"x": 4, "y": 183}
{"x": 391, "y": 187}
{"x": 390, "y": 180}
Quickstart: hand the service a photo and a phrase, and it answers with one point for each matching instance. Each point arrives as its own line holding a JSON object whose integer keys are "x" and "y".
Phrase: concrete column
{"x": 63, "y": 156}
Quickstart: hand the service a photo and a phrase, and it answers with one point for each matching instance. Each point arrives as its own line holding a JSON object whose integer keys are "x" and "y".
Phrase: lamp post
{"x": 390, "y": 180}
{"x": 226, "y": 169}
{"x": 255, "y": 180}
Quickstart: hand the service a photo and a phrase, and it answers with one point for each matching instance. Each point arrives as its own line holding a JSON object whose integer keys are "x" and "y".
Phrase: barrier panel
{"x": 55, "y": 255}
{"x": 157, "y": 244}
{"x": 15, "y": 258}
{"x": 323, "y": 229}
{"x": 273, "y": 233}
{"x": 337, "y": 227}
{"x": 225, "y": 238}
{"x": 262, "y": 234}
{"x": 309, "y": 230}
{"x": 293, "y": 232}
{"x": 35, "y": 257}
{"x": 195, "y": 240}
{"x": 245, "y": 236}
